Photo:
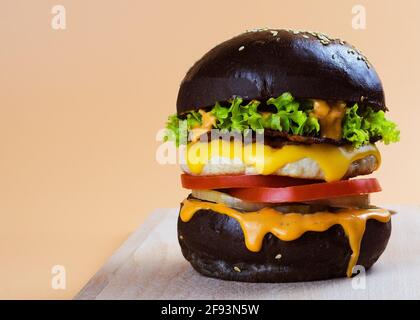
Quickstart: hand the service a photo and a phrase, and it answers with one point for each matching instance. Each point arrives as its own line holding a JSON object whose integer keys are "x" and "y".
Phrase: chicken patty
{"x": 305, "y": 168}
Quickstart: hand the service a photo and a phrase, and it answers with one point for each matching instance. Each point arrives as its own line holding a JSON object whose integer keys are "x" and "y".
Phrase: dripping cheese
{"x": 290, "y": 226}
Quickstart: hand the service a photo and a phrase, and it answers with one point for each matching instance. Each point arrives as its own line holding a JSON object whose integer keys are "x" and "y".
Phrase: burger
{"x": 273, "y": 127}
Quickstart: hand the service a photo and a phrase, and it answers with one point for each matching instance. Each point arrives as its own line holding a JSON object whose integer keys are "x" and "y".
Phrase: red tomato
{"x": 307, "y": 192}
{"x": 240, "y": 181}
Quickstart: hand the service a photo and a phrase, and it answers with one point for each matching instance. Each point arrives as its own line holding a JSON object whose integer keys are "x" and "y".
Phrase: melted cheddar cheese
{"x": 334, "y": 161}
{"x": 290, "y": 226}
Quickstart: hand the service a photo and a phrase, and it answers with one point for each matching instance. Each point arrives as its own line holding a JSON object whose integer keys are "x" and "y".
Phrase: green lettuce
{"x": 177, "y": 129}
{"x": 360, "y": 126}
{"x": 289, "y": 116}
{"x": 174, "y": 130}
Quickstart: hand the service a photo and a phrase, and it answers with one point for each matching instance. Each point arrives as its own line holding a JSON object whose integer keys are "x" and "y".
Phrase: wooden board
{"x": 149, "y": 265}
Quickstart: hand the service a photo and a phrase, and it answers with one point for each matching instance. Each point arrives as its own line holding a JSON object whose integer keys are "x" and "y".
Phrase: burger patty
{"x": 305, "y": 168}
{"x": 362, "y": 167}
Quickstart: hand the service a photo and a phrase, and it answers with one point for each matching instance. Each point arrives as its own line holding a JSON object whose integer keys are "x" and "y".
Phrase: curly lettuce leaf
{"x": 352, "y": 127}
{"x": 177, "y": 129}
{"x": 222, "y": 116}
{"x": 360, "y": 127}
{"x": 173, "y": 131}
{"x": 312, "y": 126}
{"x": 378, "y": 126}
{"x": 290, "y": 116}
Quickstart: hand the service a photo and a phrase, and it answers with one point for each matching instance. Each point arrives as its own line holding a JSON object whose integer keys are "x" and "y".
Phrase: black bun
{"x": 265, "y": 63}
{"x": 214, "y": 245}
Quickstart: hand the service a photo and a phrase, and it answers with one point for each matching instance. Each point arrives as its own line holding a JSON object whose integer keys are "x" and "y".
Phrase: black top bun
{"x": 264, "y": 63}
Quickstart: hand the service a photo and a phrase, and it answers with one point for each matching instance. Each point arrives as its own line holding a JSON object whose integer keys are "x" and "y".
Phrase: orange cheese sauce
{"x": 208, "y": 121}
{"x": 290, "y": 226}
{"x": 330, "y": 118}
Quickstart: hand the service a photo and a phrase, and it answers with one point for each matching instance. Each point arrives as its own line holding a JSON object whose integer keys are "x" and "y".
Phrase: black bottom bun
{"x": 214, "y": 245}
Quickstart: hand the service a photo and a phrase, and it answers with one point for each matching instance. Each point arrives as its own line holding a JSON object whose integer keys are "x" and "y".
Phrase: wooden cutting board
{"x": 149, "y": 265}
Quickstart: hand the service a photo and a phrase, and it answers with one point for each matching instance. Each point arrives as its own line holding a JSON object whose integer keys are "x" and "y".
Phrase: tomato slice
{"x": 241, "y": 181}
{"x": 307, "y": 192}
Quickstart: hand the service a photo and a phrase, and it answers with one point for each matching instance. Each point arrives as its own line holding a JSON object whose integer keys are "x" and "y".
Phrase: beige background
{"x": 79, "y": 110}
